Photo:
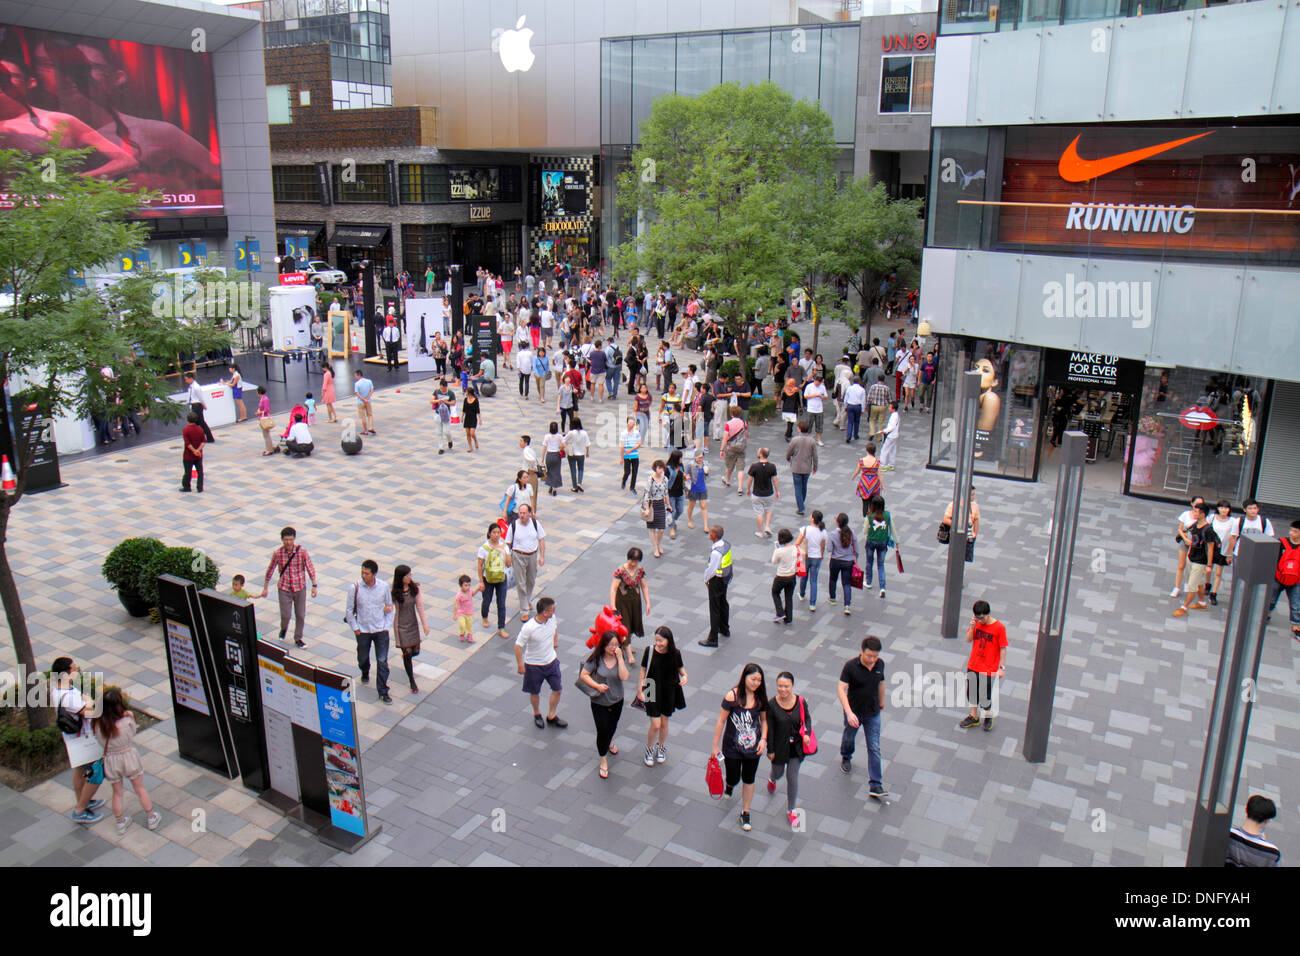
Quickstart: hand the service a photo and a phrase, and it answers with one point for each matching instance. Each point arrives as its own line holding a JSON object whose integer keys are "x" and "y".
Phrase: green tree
{"x": 867, "y": 238}
{"x": 715, "y": 185}
{"x": 57, "y": 336}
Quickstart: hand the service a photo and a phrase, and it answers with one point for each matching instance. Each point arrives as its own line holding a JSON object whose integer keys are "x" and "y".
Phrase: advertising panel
{"x": 147, "y": 112}
{"x": 277, "y": 725}
{"x": 425, "y": 318}
{"x": 232, "y": 630}
{"x": 293, "y": 310}
{"x": 480, "y": 183}
{"x": 340, "y": 752}
{"x": 1218, "y": 191}
{"x": 563, "y": 193}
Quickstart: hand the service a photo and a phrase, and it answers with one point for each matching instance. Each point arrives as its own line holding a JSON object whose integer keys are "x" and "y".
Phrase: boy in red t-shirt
{"x": 988, "y": 661}
{"x": 192, "y": 458}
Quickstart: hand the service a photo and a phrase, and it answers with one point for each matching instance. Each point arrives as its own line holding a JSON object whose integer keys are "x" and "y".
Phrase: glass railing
{"x": 989, "y": 16}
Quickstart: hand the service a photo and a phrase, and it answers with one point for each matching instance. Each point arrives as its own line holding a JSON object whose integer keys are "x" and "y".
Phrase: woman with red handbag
{"x": 790, "y": 738}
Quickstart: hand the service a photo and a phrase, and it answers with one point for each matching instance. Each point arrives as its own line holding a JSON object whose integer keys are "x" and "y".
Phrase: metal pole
{"x": 1056, "y": 591}
{"x": 968, "y": 398}
{"x": 1234, "y": 693}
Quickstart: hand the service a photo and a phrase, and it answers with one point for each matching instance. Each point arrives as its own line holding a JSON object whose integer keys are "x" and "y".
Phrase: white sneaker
{"x": 155, "y": 820}
{"x": 1174, "y": 592}
{"x": 122, "y": 825}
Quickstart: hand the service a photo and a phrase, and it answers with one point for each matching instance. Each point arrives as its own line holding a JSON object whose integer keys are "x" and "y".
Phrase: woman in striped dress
{"x": 867, "y": 477}
{"x": 655, "y": 506}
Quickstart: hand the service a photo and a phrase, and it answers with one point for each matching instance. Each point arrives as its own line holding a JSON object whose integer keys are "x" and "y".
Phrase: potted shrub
{"x": 188, "y": 563}
{"x": 126, "y": 569}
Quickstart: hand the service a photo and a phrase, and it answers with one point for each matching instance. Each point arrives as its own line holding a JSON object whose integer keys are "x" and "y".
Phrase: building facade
{"x": 1113, "y": 240}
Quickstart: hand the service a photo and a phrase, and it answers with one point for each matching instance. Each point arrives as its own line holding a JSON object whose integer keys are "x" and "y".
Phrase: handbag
{"x": 354, "y": 599}
{"x": 541, "y": 470}
{"x": 95, "y": 775}
{"x": 945, "y": 532}
{"x": 68, "y": 721}
{"x": 898, "y": 559}
{"x": 806, "y": 735}
{"x": 266, "y": 424}
{"x": 800, "y": 569}
{"x": 713, "y": 777}
{"x": 583, "y": 686}
{"x": 855, "y": 576}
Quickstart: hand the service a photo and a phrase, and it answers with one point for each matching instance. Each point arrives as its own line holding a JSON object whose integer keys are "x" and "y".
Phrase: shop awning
{"x": 312, "y": 230}
{"x": 365, "y": 236}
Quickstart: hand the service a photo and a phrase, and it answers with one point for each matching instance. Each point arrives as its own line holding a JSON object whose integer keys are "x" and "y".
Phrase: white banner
{"x": 425, "y": 317}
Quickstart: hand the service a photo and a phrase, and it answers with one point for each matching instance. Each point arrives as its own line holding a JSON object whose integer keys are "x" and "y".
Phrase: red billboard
{"x": 147, "y": 112}
{"x": 1203, "y": 190}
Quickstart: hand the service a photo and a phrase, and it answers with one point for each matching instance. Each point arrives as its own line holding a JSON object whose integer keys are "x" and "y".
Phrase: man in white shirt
{"x": 67, "y": 696}
{"x": 814, "y": 395}
{"x": 524, "y": 363}
{"x": 890, "y": 449}
{"x": 537, "y": 660}
{"x": 391, "y": 337}
{"x": 299, "y": 439}
{"x": 841, "y": 378}
{"x": 855, "y": 400}
{"x": 1253, "y": 521}
{"x": 548, "y": 325}
{"x": 370, "y": 615}
{"x": 197, "y": 404}
{"x": 527, "y": 541}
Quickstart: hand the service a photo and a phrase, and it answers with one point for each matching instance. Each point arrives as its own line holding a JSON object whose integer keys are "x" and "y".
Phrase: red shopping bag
{"x": 713, "y": 778}
{"x": 855, "y": 576}
{"x": 898, "y": 558}
{"x": 800, "y": 569}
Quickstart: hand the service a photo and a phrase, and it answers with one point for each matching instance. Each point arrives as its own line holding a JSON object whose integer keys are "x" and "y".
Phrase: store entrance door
{"x": 1099, "y": 396}
{"x": 476, "y": 247}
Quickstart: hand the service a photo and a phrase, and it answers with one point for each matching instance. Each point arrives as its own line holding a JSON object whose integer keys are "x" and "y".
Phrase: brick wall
{"x": 320, "y": 126}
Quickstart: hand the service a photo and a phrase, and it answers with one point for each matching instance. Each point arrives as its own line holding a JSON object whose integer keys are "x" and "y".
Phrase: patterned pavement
{"x": 459, "y": 775}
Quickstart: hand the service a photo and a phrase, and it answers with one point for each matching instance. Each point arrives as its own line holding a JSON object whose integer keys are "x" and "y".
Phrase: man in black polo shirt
{"x": 862, "y": 697}
{"x": 740, "y": 396}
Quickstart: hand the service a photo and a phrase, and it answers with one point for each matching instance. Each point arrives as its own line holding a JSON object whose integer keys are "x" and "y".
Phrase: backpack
{"x": 1288, "y": 566}
{"x": 616, "y": 356}
{"x": 740, "y": 440}
{"x": 494, "y": 567}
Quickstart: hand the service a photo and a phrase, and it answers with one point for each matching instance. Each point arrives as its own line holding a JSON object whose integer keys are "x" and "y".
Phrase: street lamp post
{"x": 1234, "y": 694}
{"x": 1056, "y": 591}
{"x": 968, "y": 397}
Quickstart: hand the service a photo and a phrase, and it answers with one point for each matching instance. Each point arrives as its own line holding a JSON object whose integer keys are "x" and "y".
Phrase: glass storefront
{"x": 1197, "y": 434}
{"x": 1007, "y": 425}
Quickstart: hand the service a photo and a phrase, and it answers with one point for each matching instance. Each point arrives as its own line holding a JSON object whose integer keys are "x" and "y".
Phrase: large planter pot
{"x": 135, "y": 605}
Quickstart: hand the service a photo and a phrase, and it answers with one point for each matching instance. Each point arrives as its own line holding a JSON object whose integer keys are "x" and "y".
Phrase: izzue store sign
{"x": 1093, "y": 370}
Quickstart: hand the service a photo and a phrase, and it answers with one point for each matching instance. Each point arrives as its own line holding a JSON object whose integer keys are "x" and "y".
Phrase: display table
{"x": 282, "y": 358}
{"x": 220, "y": 408}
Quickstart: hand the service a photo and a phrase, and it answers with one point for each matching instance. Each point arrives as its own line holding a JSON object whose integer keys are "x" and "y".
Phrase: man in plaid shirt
{"x": 295, "y": 567}
{"x": 879, "y": 395}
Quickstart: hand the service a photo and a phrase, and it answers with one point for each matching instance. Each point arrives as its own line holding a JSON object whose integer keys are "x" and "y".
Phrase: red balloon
{"x": 607, "y": 620}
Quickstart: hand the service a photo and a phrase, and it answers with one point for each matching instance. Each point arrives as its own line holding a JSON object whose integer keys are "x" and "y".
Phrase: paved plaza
{"x": 459, "y": 775}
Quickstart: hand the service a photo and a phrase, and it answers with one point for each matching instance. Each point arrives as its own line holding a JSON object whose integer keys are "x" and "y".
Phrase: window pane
{"x": 746, "y": 57}
{"x": 958, "y": 171}
{"x": 895, "y": 84}
{"x": 922, "y": 83}
{"x": 653, "y": 66}
{"x": 277, "y": 104}
{"x": 616, "y": 95}
{"x": 796, "y": 58}
{"x": 839, "y": 79}
{"x": 699, "y": 63}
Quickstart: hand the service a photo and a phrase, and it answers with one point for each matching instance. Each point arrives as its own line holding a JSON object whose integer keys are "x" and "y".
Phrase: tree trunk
{"x": 37, "y": 718}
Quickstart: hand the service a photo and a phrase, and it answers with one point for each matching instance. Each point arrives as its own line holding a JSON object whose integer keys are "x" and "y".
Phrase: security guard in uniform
{"x": 718, "y": 576}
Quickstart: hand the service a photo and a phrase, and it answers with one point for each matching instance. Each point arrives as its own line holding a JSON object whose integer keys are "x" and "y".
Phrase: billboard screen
{"x": 563, "y": 194}
{"x": 148, "y": 112}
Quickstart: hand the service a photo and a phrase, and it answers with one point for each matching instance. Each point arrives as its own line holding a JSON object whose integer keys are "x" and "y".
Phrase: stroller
{"x": 297, "y": 414}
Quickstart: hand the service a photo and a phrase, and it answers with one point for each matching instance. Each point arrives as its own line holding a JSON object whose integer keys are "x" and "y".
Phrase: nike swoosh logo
{"x": 1075, "y": 169}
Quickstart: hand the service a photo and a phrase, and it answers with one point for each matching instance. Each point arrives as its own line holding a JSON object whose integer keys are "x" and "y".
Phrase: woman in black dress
{"x": 659, "y": 689}
{"x": 470, "y": 417}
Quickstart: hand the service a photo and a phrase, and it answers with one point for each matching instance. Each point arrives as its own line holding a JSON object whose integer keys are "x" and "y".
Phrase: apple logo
{"x": 513, "y": 46}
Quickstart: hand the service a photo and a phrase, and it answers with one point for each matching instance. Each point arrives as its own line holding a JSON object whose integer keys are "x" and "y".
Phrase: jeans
{"x": 875, "y": 550}
{"x": 676, "y": 506}
{"x": 611, "y": 383}
{"x": 576, "y": 463}
{"x": 842, "y": 571}
{"x": 499, "y": 589}
{"x": 1292, "y": 596}
{"x": 800, "y": 490}
{"x": 630, "y": 466}
{"x": 642, "y": 425}
{"x": 854, "y": 413}
{"x": 380, "y": 640}
{"x": 783, "y": 596}
{"x": 809, "y": 582}
{"x": 605, "y": 717}
{"x": 871, "y": 730}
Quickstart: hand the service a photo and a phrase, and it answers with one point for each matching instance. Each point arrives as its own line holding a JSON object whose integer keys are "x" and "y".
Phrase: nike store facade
{"x": 1113, "y": 240}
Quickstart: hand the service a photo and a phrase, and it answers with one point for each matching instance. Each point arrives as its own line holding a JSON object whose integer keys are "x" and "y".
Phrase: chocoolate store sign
{"x": 1226, "y": 190}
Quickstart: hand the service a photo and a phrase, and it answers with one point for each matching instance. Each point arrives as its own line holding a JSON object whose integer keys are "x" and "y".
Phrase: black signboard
{"x": 457, "y": 301}
{"x": 323, "y": 180}
{"x": 1093, "y": 371}
{"x": 202, "y": 730}
{"x": 483, "y": 328}
{"x": 232, "y": 636}
{"x": 43, "y": 469}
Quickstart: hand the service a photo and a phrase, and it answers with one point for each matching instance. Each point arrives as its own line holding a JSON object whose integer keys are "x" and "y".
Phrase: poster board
{"x": 425, "y": 318}
{"x": 277, "y": 727}
{"x": 341, "y": 757}
{"x": 338, "y": 343}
